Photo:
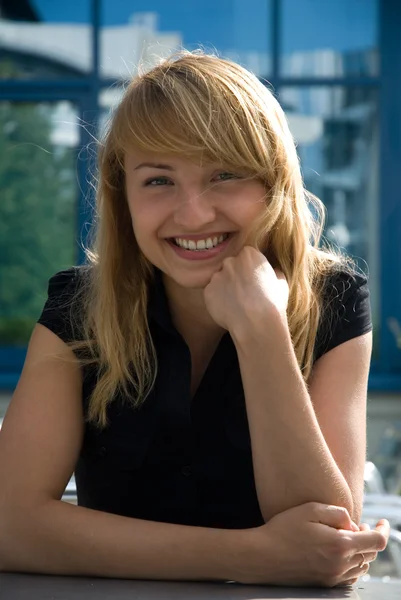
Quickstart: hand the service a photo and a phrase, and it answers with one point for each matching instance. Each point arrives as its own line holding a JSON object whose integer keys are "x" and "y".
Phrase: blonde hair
{"x": 210, "y": 109}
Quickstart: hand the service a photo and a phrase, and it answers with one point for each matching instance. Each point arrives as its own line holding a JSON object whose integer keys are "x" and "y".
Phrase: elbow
{"x": 351, "y": 503}
{"x": 7, "y": 550}
{"x": 3, "y": 565}
{"x": 12, "y": 538}
{"x": 342, "y": 496}
{"x": 4, "y": 535}
{"x": 352, "y": 499}
{"x": 357, "y": 508}
{"x": 7, "y": 541}
{"x": 348, "y": 500}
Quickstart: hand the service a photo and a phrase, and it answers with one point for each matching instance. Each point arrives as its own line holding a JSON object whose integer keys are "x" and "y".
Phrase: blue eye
{"x": 226, "y": 176}
{"x": 157, "y": 181}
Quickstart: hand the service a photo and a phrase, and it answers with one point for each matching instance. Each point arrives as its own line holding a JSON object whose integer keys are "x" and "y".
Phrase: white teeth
{"x": 201, "y": 244}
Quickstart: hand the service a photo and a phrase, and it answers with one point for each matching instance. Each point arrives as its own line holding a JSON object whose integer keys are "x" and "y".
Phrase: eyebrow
{"x": 154, "y": 166}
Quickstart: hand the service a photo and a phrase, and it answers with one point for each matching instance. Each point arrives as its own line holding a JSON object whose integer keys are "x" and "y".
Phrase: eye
{"x": 157, "y": 181}
{"x": 226, "y": 176}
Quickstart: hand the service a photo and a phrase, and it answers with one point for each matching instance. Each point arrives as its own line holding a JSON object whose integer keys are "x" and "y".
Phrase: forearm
{"x": 292, "y": 462}
{"x": 59, "y": 538}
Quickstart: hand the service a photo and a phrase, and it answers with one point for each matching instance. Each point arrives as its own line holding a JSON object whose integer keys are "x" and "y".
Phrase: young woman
{"x": 205, "y": 373}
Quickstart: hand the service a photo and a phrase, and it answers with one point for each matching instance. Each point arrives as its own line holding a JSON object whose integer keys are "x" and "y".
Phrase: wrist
{"x": 234, "y": 563}
{"x": 254, "y": 557}
{"x": 223, "y": 554}
{"x": 254, "y": 333}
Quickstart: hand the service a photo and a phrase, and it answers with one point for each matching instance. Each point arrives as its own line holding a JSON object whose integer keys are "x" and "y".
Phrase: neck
{"x": 191, "y": 317}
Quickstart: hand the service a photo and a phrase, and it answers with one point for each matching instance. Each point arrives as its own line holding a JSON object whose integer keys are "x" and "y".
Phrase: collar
{"x": 159, "y": 312}
{"x": 158, "y": 308}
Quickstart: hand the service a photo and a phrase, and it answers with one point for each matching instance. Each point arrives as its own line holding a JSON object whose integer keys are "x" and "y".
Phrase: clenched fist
{"x": 247, "y": 291}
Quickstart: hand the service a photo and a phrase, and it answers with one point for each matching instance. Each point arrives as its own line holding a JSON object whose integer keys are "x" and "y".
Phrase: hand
{"x": 312, "y": 544}
{"x": 246, "y": 291}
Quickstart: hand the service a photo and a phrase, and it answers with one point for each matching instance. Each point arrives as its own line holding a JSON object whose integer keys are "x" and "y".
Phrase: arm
{"x": 39, "y": 445}
{"x": 307, "y": 445}
{"x": 301, "y": 451}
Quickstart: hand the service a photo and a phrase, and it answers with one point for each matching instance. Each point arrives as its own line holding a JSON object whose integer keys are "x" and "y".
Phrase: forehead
{"x": 136, "y": 159}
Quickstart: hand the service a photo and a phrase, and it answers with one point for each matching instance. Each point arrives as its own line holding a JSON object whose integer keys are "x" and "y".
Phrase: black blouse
{"x": 175, "y": 459}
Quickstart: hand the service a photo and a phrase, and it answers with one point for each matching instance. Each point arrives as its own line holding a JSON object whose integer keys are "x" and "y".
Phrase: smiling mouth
{"x": 200, "y": 245}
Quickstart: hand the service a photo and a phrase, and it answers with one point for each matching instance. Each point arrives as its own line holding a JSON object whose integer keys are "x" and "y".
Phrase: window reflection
{"x": 336, "y": 129}
{"x": 109, "y": 99}
{"x": 37, "y": 210}
{"x": 335, "y": 39}
{"x": 44, "y": 40}
{"x": 141, "y": 32}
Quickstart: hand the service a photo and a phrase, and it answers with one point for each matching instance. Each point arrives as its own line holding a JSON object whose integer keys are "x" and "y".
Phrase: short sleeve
{"x": 60, "y": 311}
{"x": 346, "y": 312}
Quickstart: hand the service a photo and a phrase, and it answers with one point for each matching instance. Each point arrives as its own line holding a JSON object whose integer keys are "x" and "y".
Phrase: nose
{"x": 194, "y": 210}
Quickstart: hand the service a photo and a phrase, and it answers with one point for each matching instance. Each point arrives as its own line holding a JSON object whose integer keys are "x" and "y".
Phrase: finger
{"x": 370, "y": 556}
{"x": 383, "y": 526}
{"x": 355, "y": 572}
{"x": 364, "y": 527}
{"x": 367, "y": 557}
{"x": 368, "y": 541}
{"x": 351, "y": 577}
{"x": 333, "y": 516}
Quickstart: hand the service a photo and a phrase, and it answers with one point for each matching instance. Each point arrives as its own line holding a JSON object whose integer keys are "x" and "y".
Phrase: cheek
{"x": 146, "y": 222}
{"x": 258, "y": 206}
{"x": 249, "y": 206}
{"x": 142, "y": 213}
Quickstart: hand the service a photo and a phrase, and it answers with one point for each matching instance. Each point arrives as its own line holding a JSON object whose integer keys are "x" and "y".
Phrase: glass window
{"x": 329, "y": 38}
{"x": 109, "y": 98}
{"x": 37, "y": 210}
{"x": 43, "y": 39}
{"x": 336, "y": 129}
{"x": 140, "y": 32}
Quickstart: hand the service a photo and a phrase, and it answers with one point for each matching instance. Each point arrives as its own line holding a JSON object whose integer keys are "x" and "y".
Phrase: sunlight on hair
{"x": 207, "y": 109}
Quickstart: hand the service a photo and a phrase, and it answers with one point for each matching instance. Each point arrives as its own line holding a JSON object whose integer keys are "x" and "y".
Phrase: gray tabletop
{"x": 39, "y": 587}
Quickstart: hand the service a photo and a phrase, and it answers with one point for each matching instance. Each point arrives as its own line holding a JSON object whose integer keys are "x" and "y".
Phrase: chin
{"x": 190, "y": 280}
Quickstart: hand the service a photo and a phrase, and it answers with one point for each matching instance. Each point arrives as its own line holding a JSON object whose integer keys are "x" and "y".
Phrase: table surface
{"x": 42, "y": 587}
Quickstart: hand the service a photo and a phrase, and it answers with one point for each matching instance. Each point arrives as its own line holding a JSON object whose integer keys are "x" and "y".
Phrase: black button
{"x": 186, "y": 471}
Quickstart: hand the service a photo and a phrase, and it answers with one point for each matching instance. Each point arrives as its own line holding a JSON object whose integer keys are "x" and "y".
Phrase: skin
{"x": 189, "y": 200}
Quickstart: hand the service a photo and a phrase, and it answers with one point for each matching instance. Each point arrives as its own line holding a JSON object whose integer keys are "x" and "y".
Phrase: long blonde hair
{"x": 201, "y": 107}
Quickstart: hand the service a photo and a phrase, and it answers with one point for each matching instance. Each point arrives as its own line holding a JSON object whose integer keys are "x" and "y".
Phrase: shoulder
{"x": 345, "y": 309}
{"x": 62, "y": 309}
{"x": 342, "y": 285}
{"x": 65, "y": 283}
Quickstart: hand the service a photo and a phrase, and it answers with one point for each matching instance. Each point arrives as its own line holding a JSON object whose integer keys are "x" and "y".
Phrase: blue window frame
{"x": 386, "y": 84}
